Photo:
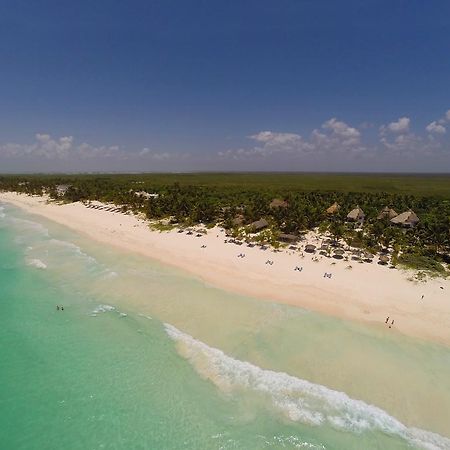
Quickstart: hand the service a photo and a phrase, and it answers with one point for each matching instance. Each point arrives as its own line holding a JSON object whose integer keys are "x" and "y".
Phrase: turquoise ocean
{"x": 144, "y": 356}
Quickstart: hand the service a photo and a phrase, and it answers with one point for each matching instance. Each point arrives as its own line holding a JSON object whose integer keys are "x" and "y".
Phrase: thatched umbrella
{"x": 383, "y": 259}
{"x": 338, "y": 253}
{"x": 310, "y": 248}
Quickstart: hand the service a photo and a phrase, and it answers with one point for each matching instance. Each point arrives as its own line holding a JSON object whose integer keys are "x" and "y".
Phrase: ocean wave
{"x": 36, "y": 263}
{"x": 297, "y": 399}
{"x": 102, "y": 309}
{"x": 29, "y": 224}
{"x": 74, "y": 248}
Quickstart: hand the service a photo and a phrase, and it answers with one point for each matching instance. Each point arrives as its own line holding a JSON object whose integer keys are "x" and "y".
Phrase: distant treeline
{"x": 189, "y": 199}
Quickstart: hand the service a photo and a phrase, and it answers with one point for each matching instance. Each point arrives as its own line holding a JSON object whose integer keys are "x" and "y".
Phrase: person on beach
{"x": 57, "y": 307}
{"x": 387, "y": 319}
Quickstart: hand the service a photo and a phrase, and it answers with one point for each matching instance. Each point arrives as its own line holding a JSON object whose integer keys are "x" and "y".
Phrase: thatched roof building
{"x": 310, "y": 248}
{"x": 61, "y": 189}
{"x": 356, "y": 215}
{"x": 387, "y": 213}
{"x": 259, "y": 225}
{"x": 289, "y": 238}
{"x": 278, "y": 203}
{"x": 333, "y": 209}
{"x": 406, "y": 219}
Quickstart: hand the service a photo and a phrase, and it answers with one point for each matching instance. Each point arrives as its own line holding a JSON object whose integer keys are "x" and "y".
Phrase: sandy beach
{"x": 368, "y": 292}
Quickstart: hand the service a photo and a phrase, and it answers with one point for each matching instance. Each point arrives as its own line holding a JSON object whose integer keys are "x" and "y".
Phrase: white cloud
{"x": 336, "y": 137}
{"x": 64, "y": 148}
{"x": 401, "y": 126}
{"x": 277, "y": 139}
{"x": 447, "y": 115}
{"x": 435, "y": 127}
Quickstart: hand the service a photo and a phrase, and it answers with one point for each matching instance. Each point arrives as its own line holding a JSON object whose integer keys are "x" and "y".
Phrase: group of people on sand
{"x": 270, "y": 262}
{"x": 327, "y": 275}
{"x": 241, "y": 255}
{"x": 298, "y": 268}
{"x": 387, "y": 321}
{"x": 59, "y": 308}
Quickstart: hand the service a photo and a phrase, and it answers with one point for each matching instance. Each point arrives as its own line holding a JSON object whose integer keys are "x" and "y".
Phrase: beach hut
{"x": 356, "y": 215}
{"x": 288, "y": 238}
{"x": 407, "y": 219}
{"x": 387, "y": 213}
{"x": 278, "y": 203}
{"x": 310, "y": 248}
{"x": 333, "y": 209}
{"x": 338, "y": 253}
{"x": 259, "y": 225}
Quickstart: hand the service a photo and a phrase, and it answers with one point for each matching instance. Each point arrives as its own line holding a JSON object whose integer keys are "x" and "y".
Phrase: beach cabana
{"x": 387, "y": 213}
{"x": 278, "y": 203}
{"x": 356, "y": 215}
{"x": 259, "y": 225}
{"x": 333, "y": 209}
{"x": 406, "y": 219}
{"x": 338, "y": 253}
{"x": 288, "y": 238}
{"x": 310, "y": 248}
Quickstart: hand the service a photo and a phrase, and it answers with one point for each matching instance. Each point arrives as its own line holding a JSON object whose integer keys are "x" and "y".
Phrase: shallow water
{"x": 144, "y": 356}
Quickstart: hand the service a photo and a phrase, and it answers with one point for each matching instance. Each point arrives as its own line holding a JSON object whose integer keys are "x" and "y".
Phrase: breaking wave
{"x": 36, "y": 263}
{"x": 74, "y": 248}
{"x": 297, "y": 399}
{"x": 102, "y": 309}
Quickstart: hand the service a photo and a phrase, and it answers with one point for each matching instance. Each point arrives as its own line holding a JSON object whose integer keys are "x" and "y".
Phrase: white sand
{"x": 366, "y": 293}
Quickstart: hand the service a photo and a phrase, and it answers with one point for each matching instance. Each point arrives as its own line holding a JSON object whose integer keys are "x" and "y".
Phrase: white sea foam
{"x": 103, "y": 309}
{"x": 74, "y": 248}
{"x": 30, "y": 225}
{"x": 2, "y": 214}
{"x": 299, "y": 400}
{"x": 36, "y": 263}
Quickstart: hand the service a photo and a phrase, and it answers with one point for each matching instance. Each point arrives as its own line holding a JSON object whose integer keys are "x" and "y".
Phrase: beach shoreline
{"x": 367, "y": 292}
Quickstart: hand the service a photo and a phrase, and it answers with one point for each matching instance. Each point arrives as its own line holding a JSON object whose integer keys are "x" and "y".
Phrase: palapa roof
{"x": 310, "y": 247}
{"x": 288, "y": 237}
{"x": 259, "y": 224}
{"x": 406, "y": 218}
{"x": 356, "y": 214}
{"x": 278, "y": 203}
{"x": 334, "y": 208}
{"x": 387, "y": 213}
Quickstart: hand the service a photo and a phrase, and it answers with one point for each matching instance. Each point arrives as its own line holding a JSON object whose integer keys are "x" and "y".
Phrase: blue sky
{"x": 238, "y": 85}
